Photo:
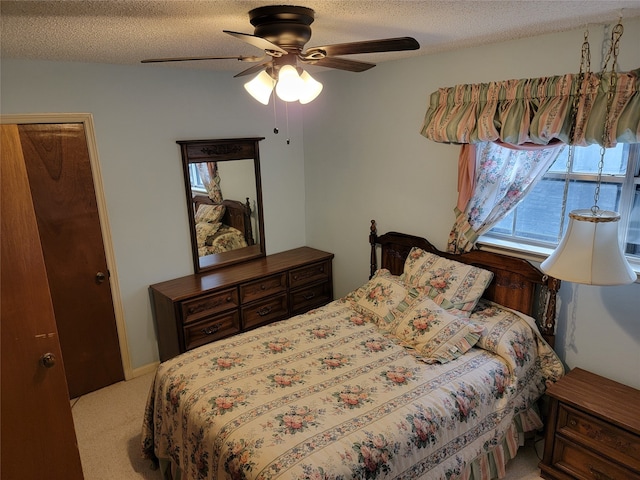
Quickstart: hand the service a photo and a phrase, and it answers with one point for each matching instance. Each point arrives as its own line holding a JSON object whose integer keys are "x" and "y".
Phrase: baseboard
{"x": 144, "y": 370}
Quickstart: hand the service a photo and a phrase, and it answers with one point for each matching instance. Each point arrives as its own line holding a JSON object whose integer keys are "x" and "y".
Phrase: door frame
{"x": 87, "y": 120}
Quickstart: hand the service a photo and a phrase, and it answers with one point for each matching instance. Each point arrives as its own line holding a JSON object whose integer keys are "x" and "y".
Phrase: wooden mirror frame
{"x": 224, "y": 150}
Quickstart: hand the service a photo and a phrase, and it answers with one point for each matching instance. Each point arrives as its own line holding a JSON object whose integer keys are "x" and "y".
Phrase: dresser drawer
{"x": 307, "y": 298}
{"x": 315, "y": 272}
{"x": 263, "y": 288}
{"x": 207, "y": 305}
{"x": 269, "y": 310}
{"x": 602, "y": 437}
{"x": 582, "y": 463}
{"x": 220, "y": 326}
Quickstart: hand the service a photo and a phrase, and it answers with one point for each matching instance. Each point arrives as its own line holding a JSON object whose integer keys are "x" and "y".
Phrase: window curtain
{"x": 211, "y": 180}
{"x": 537, "y": 110}
{"x": 492, "y": 178}
{"x": 510, "y": 132}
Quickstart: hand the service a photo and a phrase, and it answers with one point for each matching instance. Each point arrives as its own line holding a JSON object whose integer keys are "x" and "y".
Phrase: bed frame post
{"x": 548, "y": 322}
{"x": 248, "y": 229}
{"x": 373, "y": 238}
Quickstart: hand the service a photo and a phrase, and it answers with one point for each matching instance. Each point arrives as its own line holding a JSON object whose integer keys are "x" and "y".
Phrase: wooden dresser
{"x": 593, "y": 429}
{"x": 197, "y": 309}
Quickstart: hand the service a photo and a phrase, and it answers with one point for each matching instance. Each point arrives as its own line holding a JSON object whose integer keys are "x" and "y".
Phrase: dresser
{"x": 593, "y": 429}
{"x": 197, "y": 309}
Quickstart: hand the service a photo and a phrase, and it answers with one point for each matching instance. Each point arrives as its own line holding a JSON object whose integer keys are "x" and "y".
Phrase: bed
{"x": 432, "y": 369}
{"x": 221, "y": 227}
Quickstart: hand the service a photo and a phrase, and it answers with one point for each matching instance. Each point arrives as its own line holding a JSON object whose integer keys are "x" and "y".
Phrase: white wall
{"x": 139, "y": 112}
{"x": 365, "y": 159}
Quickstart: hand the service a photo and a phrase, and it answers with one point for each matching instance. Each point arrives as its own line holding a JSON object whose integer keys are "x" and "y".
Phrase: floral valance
{"x": 537, "y": 110}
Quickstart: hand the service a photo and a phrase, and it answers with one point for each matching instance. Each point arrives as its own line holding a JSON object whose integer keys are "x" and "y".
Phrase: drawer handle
{"x": 309, "y": 296}
{"x": 598, "y": 475}
{"x": 264, "y": 311}
{"x": 573, "y": 422}
{"x": 211, "y": 330}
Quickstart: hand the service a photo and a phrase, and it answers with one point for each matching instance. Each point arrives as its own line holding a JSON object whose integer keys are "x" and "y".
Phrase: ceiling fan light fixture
{"x": 260, "y": 87}
{"x": 311, "y": 89}
{"x": 290, "y": 85}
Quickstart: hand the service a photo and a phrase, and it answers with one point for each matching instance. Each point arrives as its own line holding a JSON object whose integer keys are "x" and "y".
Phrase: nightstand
{"x": 593, "y": 429}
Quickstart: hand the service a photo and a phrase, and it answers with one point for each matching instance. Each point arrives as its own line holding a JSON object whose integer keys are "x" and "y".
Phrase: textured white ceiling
{"x": 127, "y": 31}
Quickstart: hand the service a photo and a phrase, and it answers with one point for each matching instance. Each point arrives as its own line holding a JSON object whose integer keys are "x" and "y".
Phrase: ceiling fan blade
{"x": 253, "y": 69}
{"x": 341, "y": 64}
{"x": 258, "y": 42}
{"x": 251, "y": 58}
{"x": 368, "y": 46}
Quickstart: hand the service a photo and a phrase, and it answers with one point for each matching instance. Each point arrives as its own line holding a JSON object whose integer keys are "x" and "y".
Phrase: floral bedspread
{"x": 326, "y": 395}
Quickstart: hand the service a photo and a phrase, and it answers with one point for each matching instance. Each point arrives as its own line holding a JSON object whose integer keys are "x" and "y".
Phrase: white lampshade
{"x": 590, "y": 251}
{"x": 289, "y": 84}
{"x": 260, "y": 87}
{"x": 311, "y": 89}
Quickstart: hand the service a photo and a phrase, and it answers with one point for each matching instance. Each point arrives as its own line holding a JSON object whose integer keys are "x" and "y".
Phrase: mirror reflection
{"x": 224, "y": 201}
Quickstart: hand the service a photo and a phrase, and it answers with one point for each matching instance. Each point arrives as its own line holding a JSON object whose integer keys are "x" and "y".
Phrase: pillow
{"x": 435, "y": 334}
{"x": 204, "y": 231}
{"x": 385, "y": 292}
{"x": 506, "y": 333}
{"x": 516, "y": 338}
{"x": 209, "y": 213}
{"x": 451, "y": 284}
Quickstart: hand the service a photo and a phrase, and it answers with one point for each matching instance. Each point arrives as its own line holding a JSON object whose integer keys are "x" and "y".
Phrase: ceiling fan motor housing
{"x": 286, "y": 26}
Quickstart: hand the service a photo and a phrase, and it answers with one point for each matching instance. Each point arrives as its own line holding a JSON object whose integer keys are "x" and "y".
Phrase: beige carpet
{"x": 108, "y": 424}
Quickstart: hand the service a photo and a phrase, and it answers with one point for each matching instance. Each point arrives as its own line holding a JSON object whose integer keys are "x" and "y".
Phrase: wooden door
{"x": 61, "y": 183}
{"x": 38, "y": 437}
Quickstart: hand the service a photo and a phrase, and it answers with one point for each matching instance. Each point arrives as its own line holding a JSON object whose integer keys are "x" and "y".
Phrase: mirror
{"x": 224, "y": 201}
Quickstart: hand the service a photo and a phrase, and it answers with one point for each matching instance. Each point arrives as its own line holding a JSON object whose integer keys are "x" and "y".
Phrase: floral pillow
{"x": 515, "y": 338}
{"x": 204, "y": 231}
{"x": 209, "y": 213}
{"x": 451, "y": 284}
{"x": 377, "y": 298}
{"x": 435, "y": 334}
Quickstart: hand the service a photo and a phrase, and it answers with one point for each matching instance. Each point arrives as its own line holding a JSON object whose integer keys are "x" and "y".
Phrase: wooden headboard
{"x": 236, "y": 215}
{"x": 516, "y": 283}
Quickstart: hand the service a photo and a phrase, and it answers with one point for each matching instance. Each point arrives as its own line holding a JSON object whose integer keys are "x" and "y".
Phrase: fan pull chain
{"x": 286, "y": 109}
{"x": 275, "y": 115}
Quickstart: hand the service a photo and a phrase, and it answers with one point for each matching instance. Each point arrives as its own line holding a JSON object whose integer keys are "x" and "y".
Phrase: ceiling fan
{"x": 282, "y": 31}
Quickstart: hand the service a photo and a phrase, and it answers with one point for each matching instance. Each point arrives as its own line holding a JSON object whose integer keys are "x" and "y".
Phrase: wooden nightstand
{"x": 593, "y": 429}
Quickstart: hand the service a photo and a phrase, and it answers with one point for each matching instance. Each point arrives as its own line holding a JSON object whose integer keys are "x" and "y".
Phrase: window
{"x": 537, "y": 220}
{"x": 196, "y": 180}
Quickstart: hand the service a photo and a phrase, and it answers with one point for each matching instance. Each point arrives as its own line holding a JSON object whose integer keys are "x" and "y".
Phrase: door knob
{"x": 48, "y": 360}
{"x": 100, "y": 277}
